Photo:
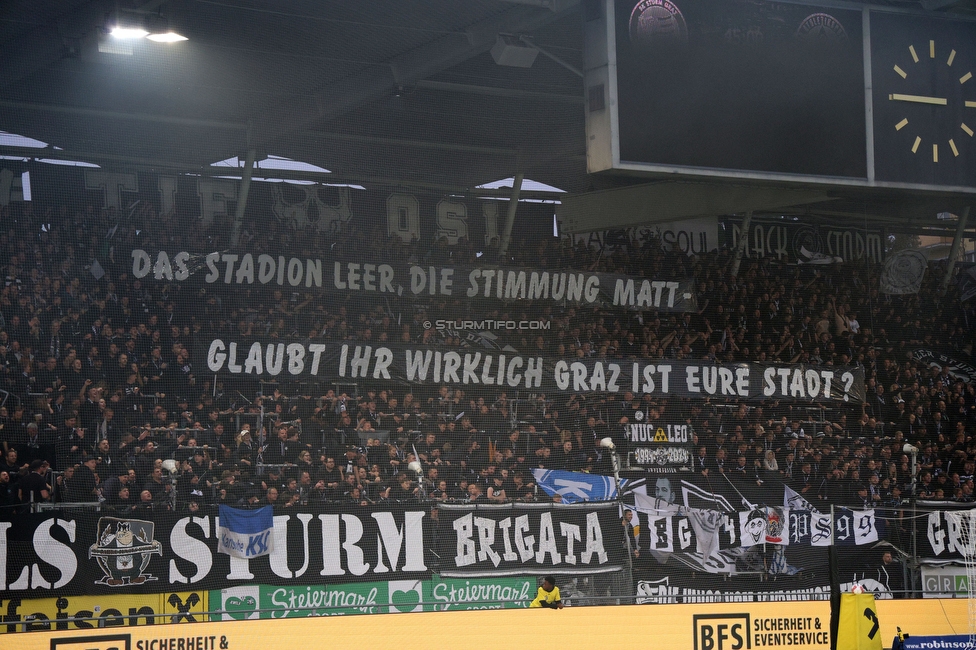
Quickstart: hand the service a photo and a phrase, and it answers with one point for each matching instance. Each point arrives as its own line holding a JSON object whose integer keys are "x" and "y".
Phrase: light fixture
{"x": 128, "y": 32}
{"x": 509, "y": 51}
{"x": 607, "y": 443}
{"x": 168, "y": 37}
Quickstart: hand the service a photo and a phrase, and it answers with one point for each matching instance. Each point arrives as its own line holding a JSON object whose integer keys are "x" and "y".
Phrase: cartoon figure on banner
{"x": 119, "y": 543}
{"x": 754, "y": 530}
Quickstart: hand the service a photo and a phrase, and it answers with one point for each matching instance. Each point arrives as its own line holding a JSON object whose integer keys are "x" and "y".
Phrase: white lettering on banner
{"x": 577, "y": 373}
{"x": 403, "y": 217}
{"x": 450, "y": 217}
{"x": 674, "y": 433}
{"x": 112, "y": 185}
{"x": 853, "y": 245}
{"x": 690, "y": 236}
{"x": 399, "y": 548}
{"x": 717, "y": 379}
{"x": 452, "y": 220}
{"x": 214, "y": 194}
{"x": 947, "y": 534}
{"x": 795, "y": 382}
{"x": 476, "y": 538}
{"x": 167, "y": 186}
{"x": 191, "y": 549}
{"x": 52, "y": 553}
{"x": 219, "y": 354}
{"x": 769, "y": 240}
{"x": 469, "y": 367}
{"x": 489, "y": 210}
{"x": 649, "y": 294}
{"x": 12, "y": 186}
{"x": 391, "y": 544}
{"x": 480, "y": 282}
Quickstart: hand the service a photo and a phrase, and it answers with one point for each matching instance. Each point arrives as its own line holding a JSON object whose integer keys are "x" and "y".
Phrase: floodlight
{"x": 128, "y": 32}
{"x": 168, "y": 37}
{"x": 415, "y": 467}
{"x": 607, "y": 443}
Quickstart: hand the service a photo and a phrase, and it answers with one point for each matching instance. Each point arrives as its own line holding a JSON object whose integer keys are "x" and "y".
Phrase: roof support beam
{"x": 495, "y": 91}
{"x": 45, "y": 45}
{"x": 405, "y": 69}
{"x": 117, "y": 115}
{"x": 954, "y": 251}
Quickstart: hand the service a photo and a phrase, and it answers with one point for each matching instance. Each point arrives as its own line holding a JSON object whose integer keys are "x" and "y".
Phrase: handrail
{"x": 440, "y": 605}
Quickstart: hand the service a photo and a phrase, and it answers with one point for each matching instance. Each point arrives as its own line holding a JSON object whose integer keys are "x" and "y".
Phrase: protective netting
{"x": 440, "y": 397}
{"x": 962, "y": 525}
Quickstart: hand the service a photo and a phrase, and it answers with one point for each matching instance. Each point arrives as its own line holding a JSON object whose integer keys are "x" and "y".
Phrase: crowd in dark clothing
{"x": 105, "y": 404}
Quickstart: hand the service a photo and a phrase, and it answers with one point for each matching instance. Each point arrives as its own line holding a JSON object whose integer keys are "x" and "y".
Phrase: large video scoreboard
{"x": 839, "y": 94}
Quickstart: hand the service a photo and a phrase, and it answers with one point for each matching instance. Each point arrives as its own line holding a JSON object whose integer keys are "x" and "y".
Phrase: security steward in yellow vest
{"x": 548, "y": 595}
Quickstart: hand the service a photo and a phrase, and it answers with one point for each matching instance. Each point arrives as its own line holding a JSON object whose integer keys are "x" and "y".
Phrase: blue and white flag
{"x": 245, "y": 533}
{"x": 576, "y": 486}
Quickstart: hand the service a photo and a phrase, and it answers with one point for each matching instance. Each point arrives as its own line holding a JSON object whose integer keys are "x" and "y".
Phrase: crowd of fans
{"x": 103, "y": 402}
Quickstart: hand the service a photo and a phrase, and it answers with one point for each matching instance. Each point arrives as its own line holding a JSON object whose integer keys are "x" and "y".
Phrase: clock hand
{"x": 919, "y": 99}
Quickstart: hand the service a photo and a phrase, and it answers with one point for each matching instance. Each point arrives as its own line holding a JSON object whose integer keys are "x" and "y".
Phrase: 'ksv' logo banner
{"x": 245, "y": 533}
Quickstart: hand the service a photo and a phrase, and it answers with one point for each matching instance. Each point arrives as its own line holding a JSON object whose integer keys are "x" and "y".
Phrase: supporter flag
{"x": 821, "y": 529}
{"x": 967, "y": 284}
{"x": 796, "y": 501}
{"x": 245, "y": 533}
{"x": 576, "y": 486}
{"x": 765, "y": 525}
{"x": 865, "y": 527}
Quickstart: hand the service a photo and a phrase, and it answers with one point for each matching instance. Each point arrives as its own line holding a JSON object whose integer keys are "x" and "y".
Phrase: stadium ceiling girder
{"x": 427, "y": 67}
{"x": 668, "y": 200}
{"x": 672, "y": 201}
{"x": 44, "y": 45}
{"x": 40, "y": 48}
{"x": 406, "y": 69}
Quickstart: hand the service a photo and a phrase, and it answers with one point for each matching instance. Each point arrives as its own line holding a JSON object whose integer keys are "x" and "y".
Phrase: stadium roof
{"x": 396, "y": 92}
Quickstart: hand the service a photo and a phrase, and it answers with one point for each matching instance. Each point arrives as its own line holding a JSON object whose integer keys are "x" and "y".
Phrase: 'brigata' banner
{"x": 384, "y": 280}
{"x": 304, "y": 360}
{"x": 530, "y": 539}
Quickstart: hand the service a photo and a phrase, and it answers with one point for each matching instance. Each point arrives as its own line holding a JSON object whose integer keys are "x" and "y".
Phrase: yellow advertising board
{"x": 925, "y": 617}
{"x": 794, "y": 625}
{"x": 800, "y": 625}
{"x": 106, "y": 611}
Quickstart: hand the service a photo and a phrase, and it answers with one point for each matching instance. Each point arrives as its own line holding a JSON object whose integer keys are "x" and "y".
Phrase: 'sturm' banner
{"x": 92, "y": 554}
{"x": 305, "y": 359}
